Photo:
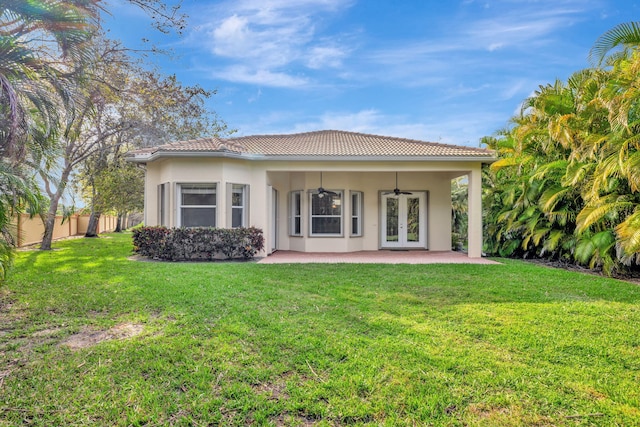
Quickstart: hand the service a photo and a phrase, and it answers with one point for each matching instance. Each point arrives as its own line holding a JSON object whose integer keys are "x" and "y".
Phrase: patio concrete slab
{"x": 373, "y": 257}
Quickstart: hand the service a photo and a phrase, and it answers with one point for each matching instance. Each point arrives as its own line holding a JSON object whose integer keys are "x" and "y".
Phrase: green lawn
{"x": 242, "y": 343}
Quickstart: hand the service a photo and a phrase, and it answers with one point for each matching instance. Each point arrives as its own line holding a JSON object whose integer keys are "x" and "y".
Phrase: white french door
{"x": 403, "y": 222}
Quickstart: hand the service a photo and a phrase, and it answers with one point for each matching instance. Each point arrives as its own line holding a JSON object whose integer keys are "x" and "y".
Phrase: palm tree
{"x": 41, "y": 49}
{"x": 625, "y": 36}
{"x": 41, "y": 44}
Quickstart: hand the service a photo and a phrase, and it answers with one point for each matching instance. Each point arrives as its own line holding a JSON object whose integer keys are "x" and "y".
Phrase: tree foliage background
{"x": 567, "y": 182}
{"x": 73, "y": 102}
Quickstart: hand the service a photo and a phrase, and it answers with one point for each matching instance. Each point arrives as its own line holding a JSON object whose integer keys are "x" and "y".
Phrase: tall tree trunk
{"x": 119, "y": 224}
{"x": 125, "y": 221}
{"x": 49, "y": 222}
{"x": 50, "y": 219}
{"x": 92, "y": 227}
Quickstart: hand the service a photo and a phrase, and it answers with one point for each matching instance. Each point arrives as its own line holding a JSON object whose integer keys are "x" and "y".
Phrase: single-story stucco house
{"x": 325, "y": 191}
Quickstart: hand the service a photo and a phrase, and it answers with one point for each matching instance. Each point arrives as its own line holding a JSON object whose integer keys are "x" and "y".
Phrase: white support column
{"x": 475, "y": 213}
{"x": 259, "y": 206}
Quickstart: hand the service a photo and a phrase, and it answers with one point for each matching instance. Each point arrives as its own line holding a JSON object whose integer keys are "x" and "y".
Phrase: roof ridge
{"x": 361, "y": 134}
{"x": 328, "y": 143}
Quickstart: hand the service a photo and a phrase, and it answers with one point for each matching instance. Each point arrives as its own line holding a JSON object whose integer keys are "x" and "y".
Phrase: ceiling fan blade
{"x": 322, "y": 192}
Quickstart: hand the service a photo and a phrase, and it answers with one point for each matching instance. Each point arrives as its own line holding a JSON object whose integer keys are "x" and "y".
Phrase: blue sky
{"x": 442, "y": 71}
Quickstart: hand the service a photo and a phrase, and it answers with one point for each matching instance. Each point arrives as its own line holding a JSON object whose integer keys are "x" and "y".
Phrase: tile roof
{"x": 327, "y": 143}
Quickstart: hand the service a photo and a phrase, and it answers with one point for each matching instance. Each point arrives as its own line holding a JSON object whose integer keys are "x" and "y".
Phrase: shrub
{"x": 197, "y": 244}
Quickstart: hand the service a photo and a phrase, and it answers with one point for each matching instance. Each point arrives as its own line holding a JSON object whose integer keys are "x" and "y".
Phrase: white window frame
{"x": 341, "y": 216}
{"x": 179, "y": 187}
{"x": 231, "y": 188}
{"x": 357, "y": 212}
{"x": 293, "y": 215}
{"x": 163, "y": 204}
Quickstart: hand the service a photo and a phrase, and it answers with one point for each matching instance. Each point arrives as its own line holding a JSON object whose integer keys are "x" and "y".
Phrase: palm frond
{"x": 623, "y": 35}
{"x": 552, "y": 196}
{"x": 591, "y": 215}
{"x": 628, "y": 233}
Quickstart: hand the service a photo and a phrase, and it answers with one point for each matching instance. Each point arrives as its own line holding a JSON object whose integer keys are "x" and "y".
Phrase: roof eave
{"x": 167, "y": 154}
{"x": 489, "y": 158}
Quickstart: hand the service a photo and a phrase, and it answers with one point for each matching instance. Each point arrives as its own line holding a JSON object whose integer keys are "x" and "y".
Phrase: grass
{"x": 89, "y": 337}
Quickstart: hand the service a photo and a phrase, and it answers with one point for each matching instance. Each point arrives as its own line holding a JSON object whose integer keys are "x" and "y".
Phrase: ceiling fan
{"x": 396, "y": 191}
{"x": 322, "y": 192}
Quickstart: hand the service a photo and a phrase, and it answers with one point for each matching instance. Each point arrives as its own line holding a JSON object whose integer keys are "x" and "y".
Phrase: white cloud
{"x": 231, "y": 36}
{"x": 325, "y": 56}
{"x": 262, "y": 37}
{"x": 244, "y": 39}
{"x": 260, "y": 77}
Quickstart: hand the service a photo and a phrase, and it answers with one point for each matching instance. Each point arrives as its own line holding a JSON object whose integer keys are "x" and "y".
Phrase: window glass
{"x": 237, "y": 205}
{"x": 198, "y": 217}
{"x": 326, "y": 214}
{"x": 198, "y": 195}
{"x": 324, "y": 225}
{"x": 295, "y": 206}
{"x": 356, "y": 213}
{"x": 198, "y": 205}
{"x": 237, "y": 195}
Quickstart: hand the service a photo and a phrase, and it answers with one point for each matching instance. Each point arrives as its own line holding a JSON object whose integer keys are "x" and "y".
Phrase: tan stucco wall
{"x": 369, "y": 177}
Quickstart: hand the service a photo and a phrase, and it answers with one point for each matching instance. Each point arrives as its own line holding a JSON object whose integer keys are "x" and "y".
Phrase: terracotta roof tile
{"x": 321, "y": 144}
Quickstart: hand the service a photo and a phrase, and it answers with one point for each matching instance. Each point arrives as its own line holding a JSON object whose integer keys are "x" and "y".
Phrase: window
{"x": 356, "y": 213}
{"x": 326, "y": 214}
{"x": 237, "y": 205}
{"x": 163, "y": 204}
{"x": 295, "y": 213}
{"x": 197, "y": 205}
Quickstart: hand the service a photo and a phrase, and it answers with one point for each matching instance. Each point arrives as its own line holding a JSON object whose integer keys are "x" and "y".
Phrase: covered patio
{"x": 373, "y": 257}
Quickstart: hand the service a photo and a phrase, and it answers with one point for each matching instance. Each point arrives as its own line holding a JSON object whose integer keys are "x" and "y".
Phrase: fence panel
{"x": 29, "y": 231}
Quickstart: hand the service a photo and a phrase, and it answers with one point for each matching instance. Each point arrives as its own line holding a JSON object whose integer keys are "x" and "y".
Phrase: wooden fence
{"x": 29, "y": 231}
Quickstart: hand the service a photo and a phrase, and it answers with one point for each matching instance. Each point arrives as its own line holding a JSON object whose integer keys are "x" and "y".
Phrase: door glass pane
{"x": 413, "y": 219}
{"x": 392, "y": 220}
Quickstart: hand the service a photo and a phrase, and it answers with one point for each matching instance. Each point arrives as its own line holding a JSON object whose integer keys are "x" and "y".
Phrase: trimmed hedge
{"x": 197, "y": 244}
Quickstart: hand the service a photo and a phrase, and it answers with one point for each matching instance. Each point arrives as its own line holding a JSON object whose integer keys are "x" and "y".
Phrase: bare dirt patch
{"x": 87, "y": 337}
{"x": 274, "y": 391}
